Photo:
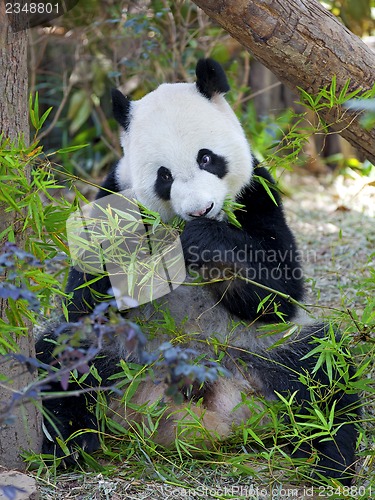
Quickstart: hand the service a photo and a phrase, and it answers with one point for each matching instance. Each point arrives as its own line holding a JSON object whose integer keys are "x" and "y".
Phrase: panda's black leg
{"x": 336, "y": 456}
{"x": 334, "y": 464}
{"x": 64, "y": 416}
{"x": 280, "y": 374}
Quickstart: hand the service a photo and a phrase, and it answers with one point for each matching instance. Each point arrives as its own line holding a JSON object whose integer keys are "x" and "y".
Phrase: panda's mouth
{"x": 203, "y": 212}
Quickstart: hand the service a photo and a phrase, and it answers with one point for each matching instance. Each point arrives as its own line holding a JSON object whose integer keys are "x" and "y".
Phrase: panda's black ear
{"x": 121, "y": 108}
{"x": 211, "y": 78}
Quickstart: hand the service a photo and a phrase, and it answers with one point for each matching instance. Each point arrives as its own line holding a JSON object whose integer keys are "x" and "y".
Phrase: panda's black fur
{"x": 263, "y": 229}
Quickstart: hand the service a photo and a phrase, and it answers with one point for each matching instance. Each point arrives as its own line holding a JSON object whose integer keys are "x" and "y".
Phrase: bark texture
{"x": 22, "y": 431}
{"x": 304, "y": 45}
{"x": 14, "y": 118}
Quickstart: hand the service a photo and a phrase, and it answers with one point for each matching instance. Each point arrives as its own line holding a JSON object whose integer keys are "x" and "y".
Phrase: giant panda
{"x": 185, "y": 153}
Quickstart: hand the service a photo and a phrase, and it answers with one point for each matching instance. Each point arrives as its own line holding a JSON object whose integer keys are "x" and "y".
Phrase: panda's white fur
{"x": 175, "y": 132}
{"x": 169, "y": 128}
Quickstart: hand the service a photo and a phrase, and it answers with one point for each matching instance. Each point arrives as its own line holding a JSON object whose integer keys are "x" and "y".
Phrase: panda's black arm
{"x": 84, "y": 299}
{"x": 110, "y": 184}
{"x": 263, "y": 251}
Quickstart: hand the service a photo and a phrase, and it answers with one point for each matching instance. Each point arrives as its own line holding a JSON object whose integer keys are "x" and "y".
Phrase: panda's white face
{"x": 184, "y": 153}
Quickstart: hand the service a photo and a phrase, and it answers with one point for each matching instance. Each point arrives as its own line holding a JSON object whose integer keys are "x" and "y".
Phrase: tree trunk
{"x": 305, "y": 46}
{"x": 24, "y": 432}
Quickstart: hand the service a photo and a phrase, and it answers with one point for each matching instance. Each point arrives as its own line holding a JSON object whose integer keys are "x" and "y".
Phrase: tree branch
{"x": 304, "y": 45}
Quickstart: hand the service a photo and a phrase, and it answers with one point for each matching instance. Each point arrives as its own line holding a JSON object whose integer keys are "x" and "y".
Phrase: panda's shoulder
{"x": 262, "y": 193}
{"x": 110, "y": 183}
{"x": 261, "y": 171}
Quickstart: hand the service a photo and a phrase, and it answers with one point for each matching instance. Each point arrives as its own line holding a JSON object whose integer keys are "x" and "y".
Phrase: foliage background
{"x": 135, "y": 46}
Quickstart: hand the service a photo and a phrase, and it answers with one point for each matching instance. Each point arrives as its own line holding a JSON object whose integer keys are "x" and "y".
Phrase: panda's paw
{"x": 70, "y": 434}
{"x": 200, "y": 238}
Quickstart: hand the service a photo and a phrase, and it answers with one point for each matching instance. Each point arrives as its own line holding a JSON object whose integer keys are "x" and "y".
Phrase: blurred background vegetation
{"x": 135, "y": 45}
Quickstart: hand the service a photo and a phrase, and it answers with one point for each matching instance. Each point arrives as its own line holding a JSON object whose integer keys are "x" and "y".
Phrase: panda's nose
{"x": 203, "y": 212}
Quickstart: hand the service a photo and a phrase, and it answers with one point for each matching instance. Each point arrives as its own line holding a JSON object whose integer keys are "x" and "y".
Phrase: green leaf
{"x": 63, "y": 446}
{"x": 344, "y": 90}
{"x": 229, "y": 207}
{"x": 36, "y": 105}
{"x": 91, "y": 462}
{"x": 332, "y": 89}
{"x": 255, "y": 437}
{"x": 80, "y": 115}
{"x": 263, "y": 301}
{"x": 264, "y": 183}
{"x": 44, "y": 117}
{"x": 306, "y": 97}
{"x": 75, "y": 103}
{"x": 69, "y": 149}
{"x": 34, "y": 111}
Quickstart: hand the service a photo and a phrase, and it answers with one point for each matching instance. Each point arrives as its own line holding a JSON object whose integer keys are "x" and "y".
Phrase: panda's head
{"x": 184, "y": 149}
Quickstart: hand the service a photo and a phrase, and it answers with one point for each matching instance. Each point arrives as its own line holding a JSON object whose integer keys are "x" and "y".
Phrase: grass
{"x": 254, "y": 461}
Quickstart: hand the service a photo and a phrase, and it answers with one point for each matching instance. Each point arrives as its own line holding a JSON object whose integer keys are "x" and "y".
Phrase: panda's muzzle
{"x": 203, "y": 212}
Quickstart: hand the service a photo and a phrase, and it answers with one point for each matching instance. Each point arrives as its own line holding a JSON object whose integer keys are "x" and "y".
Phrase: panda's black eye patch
{"x": 163, "y": 183}
{"x": 165, "y": 174}
{"x": 212, "y": 163}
